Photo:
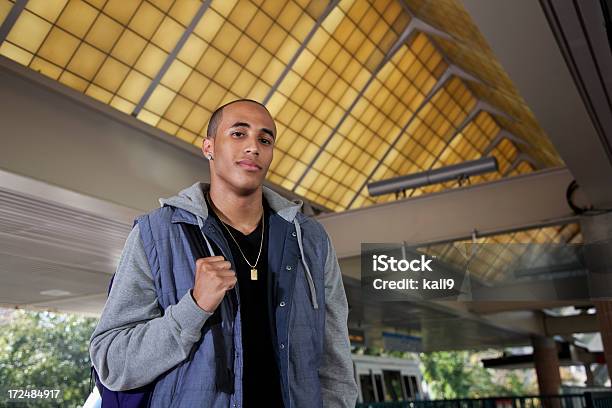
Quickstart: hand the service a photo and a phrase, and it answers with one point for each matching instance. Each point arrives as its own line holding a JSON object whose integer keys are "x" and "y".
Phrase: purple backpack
{"x": 136, "y": 398}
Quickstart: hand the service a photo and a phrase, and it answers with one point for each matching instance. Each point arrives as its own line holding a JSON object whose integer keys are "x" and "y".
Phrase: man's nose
{"x": 252, "y": 146}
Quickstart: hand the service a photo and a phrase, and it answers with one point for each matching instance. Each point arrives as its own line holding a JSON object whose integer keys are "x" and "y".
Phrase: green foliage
{"x": 460, "y": 374}
{"x": 42, "y": 350}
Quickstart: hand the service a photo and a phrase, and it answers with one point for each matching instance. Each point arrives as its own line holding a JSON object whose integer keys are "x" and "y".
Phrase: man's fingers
{"x": 220, "y": 263}
{"x": 210, "y": 259}
{"x": 226, "y": 274}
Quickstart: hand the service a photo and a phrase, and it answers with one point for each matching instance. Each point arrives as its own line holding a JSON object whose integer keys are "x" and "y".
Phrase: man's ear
{"x": 208, "y": 147}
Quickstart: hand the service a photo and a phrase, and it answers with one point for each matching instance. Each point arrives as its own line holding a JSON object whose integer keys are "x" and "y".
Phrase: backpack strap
{"x": 223, "y": 344}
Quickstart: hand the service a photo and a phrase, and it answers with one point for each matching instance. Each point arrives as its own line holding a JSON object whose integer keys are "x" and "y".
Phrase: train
{"x": 382, "y": 379}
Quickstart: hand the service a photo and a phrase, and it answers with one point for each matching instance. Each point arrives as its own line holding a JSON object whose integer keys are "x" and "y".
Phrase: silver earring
{"x": 210, "y": 157}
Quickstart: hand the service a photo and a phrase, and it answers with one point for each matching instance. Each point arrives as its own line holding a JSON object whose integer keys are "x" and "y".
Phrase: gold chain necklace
{"x": 253, "y": 267}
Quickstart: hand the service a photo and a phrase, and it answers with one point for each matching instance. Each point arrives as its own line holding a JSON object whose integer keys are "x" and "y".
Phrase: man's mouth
{"x": 249, "y": 165}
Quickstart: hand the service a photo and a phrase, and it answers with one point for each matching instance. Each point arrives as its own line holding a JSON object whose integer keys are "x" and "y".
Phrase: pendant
{"x": 253, "y": 274}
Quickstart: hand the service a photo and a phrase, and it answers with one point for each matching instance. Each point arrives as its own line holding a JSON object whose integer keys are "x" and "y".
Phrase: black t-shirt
{"x": 261, "y": 379}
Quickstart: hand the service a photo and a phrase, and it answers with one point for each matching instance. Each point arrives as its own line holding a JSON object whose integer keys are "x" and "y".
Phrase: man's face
{"x": 243, "y": 146}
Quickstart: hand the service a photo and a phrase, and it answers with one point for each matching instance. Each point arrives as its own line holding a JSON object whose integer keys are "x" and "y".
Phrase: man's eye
{"x": 266, "y": 141}
{"x": 237, "y": 133}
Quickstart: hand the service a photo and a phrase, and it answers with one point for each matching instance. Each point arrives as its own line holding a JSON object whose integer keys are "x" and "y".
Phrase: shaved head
{"x": 217, "y": 116}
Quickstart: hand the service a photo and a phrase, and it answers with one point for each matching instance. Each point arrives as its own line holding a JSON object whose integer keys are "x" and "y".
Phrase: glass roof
{"x": 357, "y": 96}
{"x": 491, "y": 260}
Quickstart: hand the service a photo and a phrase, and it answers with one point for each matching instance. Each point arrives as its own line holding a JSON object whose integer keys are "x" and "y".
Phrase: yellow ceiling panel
{"x": 98, "y": 93}
{"x": 333, "y": 20}
{"x": 244, "y": 49}
{"x": 289, "y": 15}
{"x": 212, "y": 96}
{"x": 184, "y": 10}
{"x": 178, "y": 109}
{"x": 168, "y": 34}
{"x": 197, "y": 119}
{"x": 122, "y": 105}
{"x": 193, "y": 87}
{"x": 243, "y": 83}
{"x": 227, "y": 73}
{"x": 5, "y": 8}
{"x": 176, "y": 75}
{"x": 273, "y": 39}
{"x": 111, "y": 74}
{"x": 86, "y": 61}
{"x": 223, "y": 7}
{"x": 228, "y": 97}
{"x": 58, "y": 47}
{"x": 198, "y": 142}
{"x": 192, "y": 50}
{"x": 272, "y": 71}
{"x": 134, "y": 86}
{"x": 167, "y": 126}
{"x": 151, "y": 60}
{"x": 259, "y": 26}
{"x": 258, "y": 92}
{"x": 210, "y": 62}
{"x": 242, "y": 15}
{"x": 47, "y": 9}
{"x": 302, "y": 95}
{"x": 186, "y": 135}
{"x": 302, "y": 27}
{"x": 287, "y": 49}
{"x": 128, "y": 47}
{"x": 45, "y": 68}
{"x": 121, "y": 10}
{"x": 104, "y": 33}
{"x": 29, "y": 31}
{"x": 284, "y": 165}
{"x": 163, "y": 5}
{"x": 356, "y": 11}
{"x": 73, "y": 81}
{"x": 160, "y": 100}
{"x": 99, "y": 4}
{"x": 226, "y": 38}
{"x": 209, "y": 25}
{"x": 146, "y": 20}
{"x": 152, "y": 119}
{"x": 15, "y": 53}
{"x": 77, "y": 17}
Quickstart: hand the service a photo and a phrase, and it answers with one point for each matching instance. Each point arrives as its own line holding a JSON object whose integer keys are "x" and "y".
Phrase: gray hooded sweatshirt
{"x": 134, "y": 342}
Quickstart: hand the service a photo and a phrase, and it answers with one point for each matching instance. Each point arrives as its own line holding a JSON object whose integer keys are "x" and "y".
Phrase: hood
{"x": 192, "y": 199}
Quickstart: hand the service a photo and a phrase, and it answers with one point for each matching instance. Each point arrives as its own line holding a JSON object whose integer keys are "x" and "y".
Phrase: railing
{"x": 586, "y": 400}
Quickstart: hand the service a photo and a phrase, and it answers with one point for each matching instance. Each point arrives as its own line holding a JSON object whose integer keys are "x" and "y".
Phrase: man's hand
{"x": 214, "y": 277}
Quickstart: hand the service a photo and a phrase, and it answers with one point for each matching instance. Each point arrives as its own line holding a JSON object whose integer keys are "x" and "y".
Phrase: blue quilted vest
{"x": 298, "y": 335}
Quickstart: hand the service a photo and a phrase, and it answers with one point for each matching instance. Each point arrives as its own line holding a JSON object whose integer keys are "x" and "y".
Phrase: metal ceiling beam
{"x": 11, "y": 18}
{"x": 415, "y": 25}
{"x": 451, "y": 71}
{"x": 526, "y": 201}
{"x": 519, "y": 158}
{"x": 501, "y": 135}
{"x": 311, "y": 33}
{"x": 476, "y": 110}
{"x": 171, "y": 57}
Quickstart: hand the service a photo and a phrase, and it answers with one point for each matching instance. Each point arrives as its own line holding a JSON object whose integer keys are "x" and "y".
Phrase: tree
{"x": 460, "y": 374}
{"x": 43, "y": 350}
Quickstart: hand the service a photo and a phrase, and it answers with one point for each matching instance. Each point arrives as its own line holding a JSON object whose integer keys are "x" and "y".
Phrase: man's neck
{"x": 242, "y": 212}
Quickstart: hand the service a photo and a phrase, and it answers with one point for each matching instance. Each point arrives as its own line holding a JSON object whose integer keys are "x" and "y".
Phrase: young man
{"x": 263, "y": 322}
